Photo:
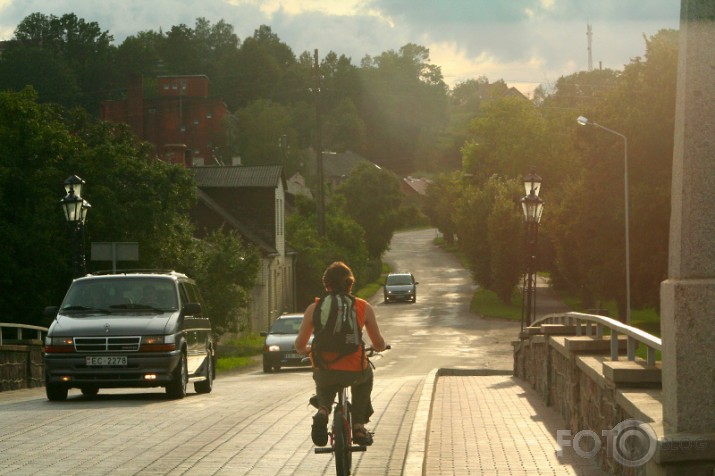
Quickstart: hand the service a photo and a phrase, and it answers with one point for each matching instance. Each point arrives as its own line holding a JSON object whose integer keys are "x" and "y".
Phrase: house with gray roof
{"x": 251, "y": 201}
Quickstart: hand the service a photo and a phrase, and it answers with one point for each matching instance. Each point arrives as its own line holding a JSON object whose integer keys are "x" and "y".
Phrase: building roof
{"x": 244, "y": 230}
{"x": 418, "y": 185}
{"x": 233, "y": 176}
{"x": 341, "y": 163}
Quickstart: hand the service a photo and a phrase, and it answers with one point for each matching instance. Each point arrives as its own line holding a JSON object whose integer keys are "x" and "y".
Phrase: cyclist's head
{"x": 338, "y": 278}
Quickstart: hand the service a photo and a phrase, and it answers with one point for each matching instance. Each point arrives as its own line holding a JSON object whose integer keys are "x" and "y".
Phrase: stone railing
{"x": 21, "y": 363}
{"x": 595, "y": 325}
{"x": 573, "y": 361}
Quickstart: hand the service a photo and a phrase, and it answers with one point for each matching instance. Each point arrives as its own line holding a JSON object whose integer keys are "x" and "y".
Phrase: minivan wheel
{"x": 205, "y": 386}
{"x": 176, "y": 389}
{"x": 56, "y": 392}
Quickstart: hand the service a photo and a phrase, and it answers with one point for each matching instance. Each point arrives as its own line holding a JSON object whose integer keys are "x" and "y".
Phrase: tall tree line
{"x": 397, "y": 99}
{"x": 582, "y": 239}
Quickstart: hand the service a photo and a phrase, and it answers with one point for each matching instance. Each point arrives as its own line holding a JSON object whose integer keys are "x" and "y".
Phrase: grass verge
{"x": 240, "y": 352}
{"x": 486, "y": 303}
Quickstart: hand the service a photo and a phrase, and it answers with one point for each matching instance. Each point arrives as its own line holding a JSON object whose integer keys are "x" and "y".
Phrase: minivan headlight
{"x": 157, "y": 344}
{"x": 58, "y": 345}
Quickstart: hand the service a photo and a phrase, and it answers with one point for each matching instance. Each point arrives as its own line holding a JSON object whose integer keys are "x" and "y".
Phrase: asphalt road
{"x": 255, "y": 423}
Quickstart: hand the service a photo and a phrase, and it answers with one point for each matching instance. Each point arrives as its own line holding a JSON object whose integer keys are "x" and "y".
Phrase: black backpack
{"x": 341, "y": 332}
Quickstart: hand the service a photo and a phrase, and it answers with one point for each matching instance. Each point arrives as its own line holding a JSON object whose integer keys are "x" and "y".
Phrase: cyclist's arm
{"x": 373, "y": 330}
{"x": 306, "y": 329}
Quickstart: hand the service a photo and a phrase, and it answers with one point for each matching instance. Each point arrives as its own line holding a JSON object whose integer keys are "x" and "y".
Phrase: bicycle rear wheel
{"x": 343, "y": 456}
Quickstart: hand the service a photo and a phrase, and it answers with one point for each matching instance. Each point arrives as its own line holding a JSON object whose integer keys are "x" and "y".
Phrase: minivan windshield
{"x": 110, "y": 293}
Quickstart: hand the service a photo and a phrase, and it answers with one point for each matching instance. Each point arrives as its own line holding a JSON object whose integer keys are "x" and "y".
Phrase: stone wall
{"x": 574, "y": 375}
{"x": 21, "y": 365}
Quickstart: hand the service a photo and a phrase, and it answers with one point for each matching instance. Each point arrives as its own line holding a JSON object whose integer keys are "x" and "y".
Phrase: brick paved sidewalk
{"x": 495, "y": 425}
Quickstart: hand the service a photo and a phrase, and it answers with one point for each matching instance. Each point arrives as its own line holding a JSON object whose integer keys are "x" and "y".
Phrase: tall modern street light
{"x": 76, "y": 208}
{"x": 533, "y": 207}
{"x": 585, "y": 122}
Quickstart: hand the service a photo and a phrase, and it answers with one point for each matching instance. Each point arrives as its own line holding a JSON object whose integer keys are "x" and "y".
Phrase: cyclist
{"x": 331, "y": 372}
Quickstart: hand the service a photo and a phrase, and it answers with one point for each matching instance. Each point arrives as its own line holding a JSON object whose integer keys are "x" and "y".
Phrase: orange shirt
{"x": 356, "y": 361}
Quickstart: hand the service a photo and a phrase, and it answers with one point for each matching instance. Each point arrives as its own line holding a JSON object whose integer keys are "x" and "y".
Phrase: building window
{"x": 209, "y": 115}
{"x": 279, "y": 216}
{"x": 152, "y": 110}
{"x": 166, "y": 87}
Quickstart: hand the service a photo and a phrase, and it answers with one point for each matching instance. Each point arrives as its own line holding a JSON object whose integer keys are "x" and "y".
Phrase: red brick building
{"x": 183, "y": 123}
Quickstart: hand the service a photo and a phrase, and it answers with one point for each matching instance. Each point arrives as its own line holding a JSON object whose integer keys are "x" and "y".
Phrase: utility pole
{"x": 319, "y": 149}
{"x": 589, "y": 34}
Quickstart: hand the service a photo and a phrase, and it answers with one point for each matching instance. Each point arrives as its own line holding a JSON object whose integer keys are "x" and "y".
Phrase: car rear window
{"x": 399, "y": 280}
{"x": 286, "y": 326}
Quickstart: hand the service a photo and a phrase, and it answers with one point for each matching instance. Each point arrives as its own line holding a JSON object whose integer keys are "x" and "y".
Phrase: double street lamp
{"x": 76, "y": 208}
{"x": 533, "y": 207}
{"x": 585, "y": 122}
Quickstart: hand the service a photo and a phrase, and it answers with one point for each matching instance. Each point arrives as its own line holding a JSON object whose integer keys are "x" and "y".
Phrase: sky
{"x": 526, "y": 43}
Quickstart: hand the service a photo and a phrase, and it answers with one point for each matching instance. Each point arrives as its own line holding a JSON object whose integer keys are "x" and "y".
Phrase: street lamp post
{"x": 533, "y": 208}
{"x": 585, "y": 122}
{"x": 76, "y": 208}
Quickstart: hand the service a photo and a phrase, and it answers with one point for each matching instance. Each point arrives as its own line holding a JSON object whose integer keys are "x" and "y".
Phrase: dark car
{"x": 131, "y": 329}
{"x": 279, "y": 347}
{"x": 400, "y": 287}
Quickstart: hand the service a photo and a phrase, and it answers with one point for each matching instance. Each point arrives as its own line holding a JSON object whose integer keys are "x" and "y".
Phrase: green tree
{"x": 489, "y": 228}
{"x": 640, "y": 106}
{"x": 344, "y": 241}
{"x": 134, "y": 198}
{"x": 507, "y": 139}
{"x": 48, "y": 73}
{"x": 261, "y": 125}
{"x": 404, "y": 102}
{"x": 504, "y": 236}
{"x": 33, "y": 147}
{"x": 140, "y": 54}
{"x": 373, "y": 199}
{"x": 226, "y": 271}
{"x": 442, "y": 195}
{"x": 344, "y": 129}
{"x": 84, "y": 48}
{"x": 264, "y": 61}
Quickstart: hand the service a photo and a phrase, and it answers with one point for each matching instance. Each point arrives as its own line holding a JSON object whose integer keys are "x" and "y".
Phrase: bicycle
{"x": 341, "y": 438}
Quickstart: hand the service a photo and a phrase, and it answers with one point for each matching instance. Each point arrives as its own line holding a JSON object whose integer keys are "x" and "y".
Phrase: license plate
{"x": 106, "y": 360}
{"x": 293, "y": 356}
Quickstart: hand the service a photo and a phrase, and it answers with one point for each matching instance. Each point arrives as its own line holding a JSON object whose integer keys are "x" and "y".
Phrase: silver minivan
{"x": 129, "y": 329}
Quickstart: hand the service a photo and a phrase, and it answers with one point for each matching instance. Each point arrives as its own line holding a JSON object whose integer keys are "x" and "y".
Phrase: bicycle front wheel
{"x": 343, "y": 456}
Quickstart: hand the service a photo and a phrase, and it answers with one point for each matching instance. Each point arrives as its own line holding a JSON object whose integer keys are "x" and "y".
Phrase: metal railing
{"x": 593, "y": 325}
{"x": 22, "y": 327}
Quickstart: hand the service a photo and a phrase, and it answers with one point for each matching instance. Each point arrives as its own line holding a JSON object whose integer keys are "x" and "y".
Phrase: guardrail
{"x": 20, "y": 328}
{"x": 586, "y": 324}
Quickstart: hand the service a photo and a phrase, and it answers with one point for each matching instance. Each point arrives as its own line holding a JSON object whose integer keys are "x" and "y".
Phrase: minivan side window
{"x": 184, "y": 295}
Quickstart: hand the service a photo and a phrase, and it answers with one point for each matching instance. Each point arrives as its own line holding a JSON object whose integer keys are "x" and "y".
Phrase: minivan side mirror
{"x": 50, "y": 311}
{"x": 192, "y": 308}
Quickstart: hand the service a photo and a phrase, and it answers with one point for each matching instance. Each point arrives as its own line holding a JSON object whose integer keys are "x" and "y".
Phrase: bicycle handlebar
{"x": 370, "y": 351}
